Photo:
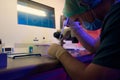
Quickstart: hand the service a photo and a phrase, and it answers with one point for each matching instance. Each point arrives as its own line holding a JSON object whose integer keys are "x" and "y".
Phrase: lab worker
{"x": 106, "y": 63}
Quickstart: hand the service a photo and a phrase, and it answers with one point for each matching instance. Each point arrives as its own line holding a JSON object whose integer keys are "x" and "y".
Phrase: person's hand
{"x": 56, "y": 51}
{"x": 70, "y": 23}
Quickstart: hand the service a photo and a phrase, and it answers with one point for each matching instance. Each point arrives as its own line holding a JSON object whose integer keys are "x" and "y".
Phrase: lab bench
{"x": 29, "y": 67}
{"x": 36, "y": 68}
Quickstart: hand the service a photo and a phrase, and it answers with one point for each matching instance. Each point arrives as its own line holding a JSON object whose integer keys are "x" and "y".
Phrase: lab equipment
{"x": 7, "y": 50}
{"x": 21, "y": 55}
{"x": 65, "y": 22}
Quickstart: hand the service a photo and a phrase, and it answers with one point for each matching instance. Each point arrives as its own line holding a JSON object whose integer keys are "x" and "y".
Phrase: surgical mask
{"x": 96, "y": 24}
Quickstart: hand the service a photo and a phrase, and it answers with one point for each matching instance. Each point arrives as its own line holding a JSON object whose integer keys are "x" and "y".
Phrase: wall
{"x": 11, "y": 33}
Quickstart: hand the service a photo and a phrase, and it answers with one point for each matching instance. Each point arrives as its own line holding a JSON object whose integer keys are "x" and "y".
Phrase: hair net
{"x": 73, "y": 7}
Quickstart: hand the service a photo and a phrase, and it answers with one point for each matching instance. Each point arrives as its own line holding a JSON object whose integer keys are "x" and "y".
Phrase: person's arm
{"x": 90, "y": 43}
{"x": 84, "y": 38}
{"x": 80, "y": 71}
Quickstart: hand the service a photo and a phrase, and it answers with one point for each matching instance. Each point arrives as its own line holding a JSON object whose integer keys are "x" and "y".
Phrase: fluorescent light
{"x": 30, "y": 10}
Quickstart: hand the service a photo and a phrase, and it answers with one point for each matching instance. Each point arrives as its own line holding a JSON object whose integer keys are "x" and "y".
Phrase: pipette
{"x": 62, "y": 31}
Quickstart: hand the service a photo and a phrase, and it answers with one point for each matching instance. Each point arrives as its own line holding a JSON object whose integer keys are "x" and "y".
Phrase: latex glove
{"x": 55, "y": 50}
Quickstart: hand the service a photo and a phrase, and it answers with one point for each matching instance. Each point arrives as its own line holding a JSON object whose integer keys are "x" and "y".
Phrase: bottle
{"x": 30, "y": 49}
{"x": 0, "y": 46}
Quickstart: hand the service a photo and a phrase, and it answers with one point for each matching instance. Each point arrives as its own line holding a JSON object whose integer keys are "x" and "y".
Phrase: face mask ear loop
{"x": 94, "y": 15}
{"x": 87, "y": 10}
{"x": 91, "y": 12}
